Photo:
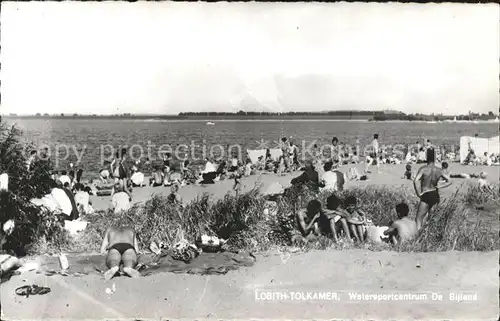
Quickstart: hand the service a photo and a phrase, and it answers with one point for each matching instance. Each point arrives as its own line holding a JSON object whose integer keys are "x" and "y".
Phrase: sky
{"x": 166, "y": 58}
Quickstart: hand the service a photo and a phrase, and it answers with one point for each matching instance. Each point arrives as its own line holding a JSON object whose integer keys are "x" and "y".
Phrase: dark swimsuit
{"x": 122, "y": 247}
{"x": 431, "y": 198}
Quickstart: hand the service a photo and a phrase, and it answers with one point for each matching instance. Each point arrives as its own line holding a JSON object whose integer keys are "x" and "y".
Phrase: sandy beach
{"x": 389, "y": 175}
{"x": 242, "y": 294}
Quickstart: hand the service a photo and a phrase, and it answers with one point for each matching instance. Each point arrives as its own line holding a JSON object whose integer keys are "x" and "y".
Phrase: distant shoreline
{"x": 197, "y": 118}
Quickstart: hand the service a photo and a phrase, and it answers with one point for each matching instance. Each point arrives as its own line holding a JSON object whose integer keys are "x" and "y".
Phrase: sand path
{"x": 236, "y": 295}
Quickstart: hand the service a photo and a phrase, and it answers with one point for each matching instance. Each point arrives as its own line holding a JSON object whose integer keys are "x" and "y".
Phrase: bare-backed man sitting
{"x": 120, "y": 244}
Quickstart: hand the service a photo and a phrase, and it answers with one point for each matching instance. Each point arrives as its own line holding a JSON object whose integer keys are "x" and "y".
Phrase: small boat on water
{"x": 210, "y": 123}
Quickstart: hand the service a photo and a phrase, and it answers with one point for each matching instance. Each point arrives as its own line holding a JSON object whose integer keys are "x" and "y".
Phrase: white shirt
{"x": 373, "y": 233}
{"x": 375, "y": 146}
{"x": 83, "y": 198}
{"x": 248, "y": 169}
{"x": 65, "y": 179}
{"x": 120, "y": 202}
{"x": 137, "y": 178}
{"x": 209, "y": 168}
{"x": 234, "y": 162}
{"x": 62, "y": 200}
{"x": 49, "y": 202}
{"x": 104, "y": 173}
{"x": 330, "y": 180}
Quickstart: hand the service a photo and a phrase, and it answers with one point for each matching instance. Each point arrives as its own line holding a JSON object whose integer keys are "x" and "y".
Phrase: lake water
{"x": 96, "y": 137}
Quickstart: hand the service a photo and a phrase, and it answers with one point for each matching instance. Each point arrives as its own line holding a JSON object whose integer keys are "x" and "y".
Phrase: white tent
{"x": 479, "y": 146}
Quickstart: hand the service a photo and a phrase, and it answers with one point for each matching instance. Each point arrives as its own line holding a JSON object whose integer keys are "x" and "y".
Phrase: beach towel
{"x": 149, "y": 264}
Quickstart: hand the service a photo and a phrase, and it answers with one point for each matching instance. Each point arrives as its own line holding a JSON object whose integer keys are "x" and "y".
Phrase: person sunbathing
{"x": 403, "y": 228}
{"x": 121, "y": 248}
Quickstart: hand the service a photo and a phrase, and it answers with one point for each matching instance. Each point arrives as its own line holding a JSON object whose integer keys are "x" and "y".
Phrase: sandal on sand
{"x": 28, "y": 290}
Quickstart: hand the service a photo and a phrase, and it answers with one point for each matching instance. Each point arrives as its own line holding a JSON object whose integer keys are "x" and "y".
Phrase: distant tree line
{"x": 343, "y": 114}
{"x": 379, "y": 116}
{"x": 274, "y": 114}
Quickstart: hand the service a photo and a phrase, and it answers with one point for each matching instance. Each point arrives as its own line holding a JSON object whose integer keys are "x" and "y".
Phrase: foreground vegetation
{"x": 241, "y": 220}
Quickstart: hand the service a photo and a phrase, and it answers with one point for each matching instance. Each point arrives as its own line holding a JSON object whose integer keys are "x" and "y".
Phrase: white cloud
{"x": 171, "y": 57}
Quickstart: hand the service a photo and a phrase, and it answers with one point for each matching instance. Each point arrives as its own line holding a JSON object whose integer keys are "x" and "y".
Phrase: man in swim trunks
{"x": 429, "y": 177}
{"x": 121, "y": 248}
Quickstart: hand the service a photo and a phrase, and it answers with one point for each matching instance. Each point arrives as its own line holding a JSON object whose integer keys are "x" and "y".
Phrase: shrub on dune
{"x": 32, "y": 225}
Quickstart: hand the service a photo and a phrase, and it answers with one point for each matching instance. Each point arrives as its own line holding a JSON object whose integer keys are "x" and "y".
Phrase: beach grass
{"x": 241, "y": 221}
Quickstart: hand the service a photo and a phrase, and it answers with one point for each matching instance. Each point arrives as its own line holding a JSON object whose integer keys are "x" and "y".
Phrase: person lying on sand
{"x": 403, "y": 228}
{"x": 355, "y": 218}
{"x": 426, "y": 186}
{"x": 121, "y": 248}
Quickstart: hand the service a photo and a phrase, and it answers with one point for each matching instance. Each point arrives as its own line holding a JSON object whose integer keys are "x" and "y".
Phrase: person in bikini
{"x": 121, "y": 248}
{"x": 426, "y": 184}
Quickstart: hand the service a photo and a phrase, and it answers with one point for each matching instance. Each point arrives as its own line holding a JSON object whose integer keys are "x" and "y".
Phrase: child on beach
{"x": 408, "y": 174}
{"x": 248, "y": 168}
{"x": 403, "y": 228}
{"x": 355, "y": 217}
{"x": 483, "y": 183}
{"x": 333, "y": 219}
{"x": 307, "y": 219}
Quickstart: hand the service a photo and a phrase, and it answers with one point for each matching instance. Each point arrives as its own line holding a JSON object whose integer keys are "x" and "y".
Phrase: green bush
{"x": 24, "y": 185}
{"x": 240, "y": 220}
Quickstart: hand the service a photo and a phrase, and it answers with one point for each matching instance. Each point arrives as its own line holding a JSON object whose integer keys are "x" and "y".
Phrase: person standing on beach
{"x": 426, "y": 184}
{"x": 374, "y": 155}
{"x": 335, "y": 152}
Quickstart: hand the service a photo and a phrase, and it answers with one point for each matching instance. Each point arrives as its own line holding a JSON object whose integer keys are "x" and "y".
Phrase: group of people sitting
{"x": 348, "y": 220}
{"x": 478, "y": 160}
